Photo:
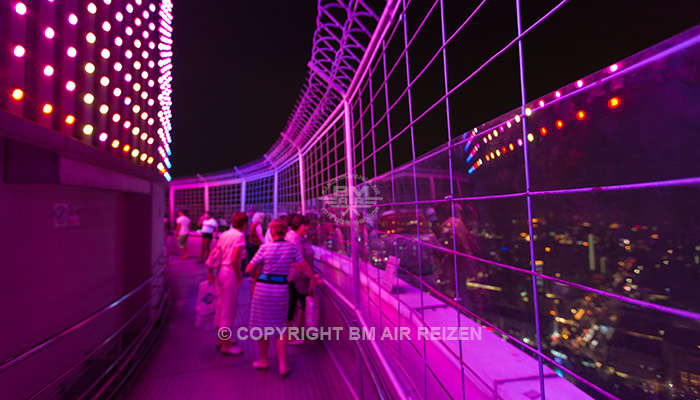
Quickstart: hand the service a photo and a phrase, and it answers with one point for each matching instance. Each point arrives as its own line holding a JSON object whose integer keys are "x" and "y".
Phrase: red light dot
{"x": 17, "y": 94}
{"x": 580, "y": 115}
{"x": 543, "y": 131}
{"x": 127, "y": 148}
{"x": 47, "y": 109}
{"x": 115, "y": 143}
{"x": 503, "y": 150}
{"x": 559, "y": 124}
{"x": 70, "y": 120}
{"x": 614, "y": 102}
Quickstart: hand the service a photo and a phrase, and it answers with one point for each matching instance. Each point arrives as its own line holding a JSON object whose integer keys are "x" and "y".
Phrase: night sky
{"x": 239, "y": 66}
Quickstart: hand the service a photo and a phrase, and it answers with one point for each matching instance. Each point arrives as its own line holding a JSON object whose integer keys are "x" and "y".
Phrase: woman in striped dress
{"x": 271, "y": 292}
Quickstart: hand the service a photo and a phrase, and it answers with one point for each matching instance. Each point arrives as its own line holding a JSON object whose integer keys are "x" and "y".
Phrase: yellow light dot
{"x": 17, "y": 94}
{"x": 104, "y": 109}
{"x": 88, "y": 98}
{"x": 87, "y": 129}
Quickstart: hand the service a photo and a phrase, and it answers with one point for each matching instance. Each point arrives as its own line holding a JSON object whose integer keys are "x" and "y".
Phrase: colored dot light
{"x": 127, "y": 124}
{"x": 127, "y": 77}
{"x": 150, "y": 140}
{"x": 511, "y": 147}
{"x": 117, "y": 92}
{"x": 19, "y": 51}
{"x": 137, "y": 64}
{"x": 528, "y": 111}
{"x": 73, "y": 19}
{"x": 135, "y": 131}
{"x": 543, "y": 131}
{"x": 151, "y": 121}
{"x": 145, "y": 34}
{"x": 116, "y": 117}
{"x": 88, "y": 129}
{"x": 71, "y": 52}
{"x": 89, "y": 68}
{"x": 48, "y": 70}
{"x": 541, "y": 103}
{"x": 49, "y": 33}
{"x": 127, "y": 100}
{"x": 117, "y": 66}
{"x": 144, "y": 115}
{"x": 152, "y": 7}
{"x": 530, "y": 137}
{"x": 70, "y": 86}
{"x": 559, "y": 124}
{"x": 92, "y": 8}
{"x": 47, "y": 109}
{"x": 105, "y": 53}
{"x": 579, "y": 83}
{"x": 143, "y": 156}
{"x": 103, "y": 136}
{"x": 517, "y": 119}
{"x": 557, "y": 94}
{"x": 88, "y": 98}
{"x": 126, "y": 148}
{"x": 129, "y": 8}
{"x": 137, "y": 21}
{"x": 137, "y": 86}
{"x": 613, "y": 68}
{"x": 144, "y": 136}
{"x": 614, "y": 102}
{"x": 145, "y": 14}
{"x": 128, "y": 54}
{"x": 144, "y": 95}
{"x": 137, "y": 43}
{"x": 70, "y": 120}
{"x": 119, "y": 16}
{"x": 152, "y": 26}
{"x": 20, "y": 8}
{"x": 91, "y": 38}
{"x": 106, "y": 26}
{"x": 115, "y": 143}
{"x": 151, "y": 45}
{"x": 580, "y": 115}
{"x": 129, "y": 31}
{"x": 118, "y": 41}
{"x": 104, "y": 81}
{"x": 104, "y": 109}
{"x": 144, "y": 74}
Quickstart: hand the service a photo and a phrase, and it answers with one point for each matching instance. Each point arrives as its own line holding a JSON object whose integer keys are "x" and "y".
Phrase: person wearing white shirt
{"x": 209, "y": 226}
{"x": 183, "y": 231}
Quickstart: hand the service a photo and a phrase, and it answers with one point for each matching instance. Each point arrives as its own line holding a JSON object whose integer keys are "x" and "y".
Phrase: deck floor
{"x": 185, "y": 364}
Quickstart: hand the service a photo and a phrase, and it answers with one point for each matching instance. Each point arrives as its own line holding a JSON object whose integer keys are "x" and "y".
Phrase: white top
{"x": 184, "y": 222}
{"x": 209, "y": 225}
{"x": 228, "y": 241}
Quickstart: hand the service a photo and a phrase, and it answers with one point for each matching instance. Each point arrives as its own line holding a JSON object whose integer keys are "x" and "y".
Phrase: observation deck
{"x": 496, "y": 213}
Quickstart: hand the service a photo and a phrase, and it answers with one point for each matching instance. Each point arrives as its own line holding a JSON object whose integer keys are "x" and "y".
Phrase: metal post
{"x": 206, "y": 197}
{"x": 243, "y": 195}
{"x": 302, "y": 184}
{"x": 275, "y": 195}
{"x": 171, "y": 202}
{"x": 350, "y": 168}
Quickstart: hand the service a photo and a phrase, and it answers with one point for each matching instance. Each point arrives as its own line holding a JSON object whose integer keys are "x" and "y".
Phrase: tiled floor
{"x": 185, "y": 364}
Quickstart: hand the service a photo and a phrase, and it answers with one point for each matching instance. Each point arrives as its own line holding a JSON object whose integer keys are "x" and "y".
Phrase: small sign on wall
{"x": 65, "y": 215}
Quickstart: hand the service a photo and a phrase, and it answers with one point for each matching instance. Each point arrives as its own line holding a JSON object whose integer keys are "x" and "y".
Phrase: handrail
{"x": 25, "y": 354}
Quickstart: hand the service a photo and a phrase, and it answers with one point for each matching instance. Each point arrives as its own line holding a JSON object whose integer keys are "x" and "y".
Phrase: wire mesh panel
{"x": 224, "y": 200}
{"x": 288, "y": 189}
{"x": 259, "y": 194}
{"x": 191, "y": 202}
